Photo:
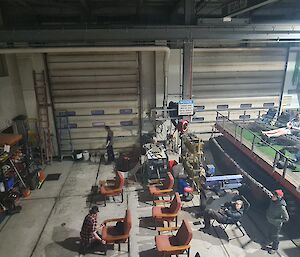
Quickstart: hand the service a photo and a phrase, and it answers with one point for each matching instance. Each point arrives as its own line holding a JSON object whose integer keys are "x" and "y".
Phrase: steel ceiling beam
{"x": 189, "y": 12}
{"x": 177, "y": 5}
{"x": 1, "y": 18}
{"x": 152, "y": 33}
{"x": 85, "y": 6}
{"x": 234, "y": 8}
{"x": 139, "y": 7}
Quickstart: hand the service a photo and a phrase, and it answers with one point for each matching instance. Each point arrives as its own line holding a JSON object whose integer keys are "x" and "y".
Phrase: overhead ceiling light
{"x": 227, "y": 19}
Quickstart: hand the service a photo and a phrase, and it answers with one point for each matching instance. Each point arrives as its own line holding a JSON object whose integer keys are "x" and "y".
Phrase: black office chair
{"x": 246, "y": 206}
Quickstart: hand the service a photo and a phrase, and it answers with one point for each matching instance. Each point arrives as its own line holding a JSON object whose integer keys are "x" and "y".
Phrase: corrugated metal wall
{"x": 97, "y": 89}
{"x": 236, "y": 78}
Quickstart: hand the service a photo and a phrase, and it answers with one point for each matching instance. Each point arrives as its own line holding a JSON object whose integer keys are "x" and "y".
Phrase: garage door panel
{"x": 214, "y": 62}
{"x": 94, "y": 85}
{"x": 102, "y": 134}
{"x": 235, "y": 59}
{"x": 240, "y": 93}
{"x": 100, "y": 144}
{"x": 98, "y": 79}
{"x": 132, "y": 130}
{"x": 95, "y": 92}
{"x": 237, "y": 80}
{"x": 102, "y": 98}
{"x": 241, "y": 52}
{"x": 89, "y": 57}
{"x": 92, "y": 72}
{"x": 213, "y": 102}
{"x": 100, "y": 122}
{"x": 222, "y": 68}
{"x": 205, "y": 115}
{"x": 241, "y": 74}
{"x": 104, "y": 110}
{"x": 118, "y": 142}
{"x": 103, "y": 118}
{"x": 236, "y": 86}
{"x": 97, "y": 105}
{"x": 256, "y": 102}
{"x": 59, "y": 66}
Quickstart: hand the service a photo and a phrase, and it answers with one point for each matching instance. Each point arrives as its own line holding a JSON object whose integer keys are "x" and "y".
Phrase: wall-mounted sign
{"x": 186, "y": 107}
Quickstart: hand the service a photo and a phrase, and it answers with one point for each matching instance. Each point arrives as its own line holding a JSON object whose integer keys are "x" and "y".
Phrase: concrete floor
{"x": 51, "y": 218}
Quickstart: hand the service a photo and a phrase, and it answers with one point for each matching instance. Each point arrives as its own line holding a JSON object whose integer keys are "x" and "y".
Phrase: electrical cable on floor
{"x": 95, "y": 184}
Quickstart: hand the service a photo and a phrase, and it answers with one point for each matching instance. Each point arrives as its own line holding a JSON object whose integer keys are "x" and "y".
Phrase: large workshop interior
{"x": 149, "y": 128}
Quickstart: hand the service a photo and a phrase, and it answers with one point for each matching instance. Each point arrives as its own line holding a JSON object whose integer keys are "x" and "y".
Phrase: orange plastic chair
{"x": 112, "y": 236}
{"x": 113, "y": 187}
{"x": 161, "y": 213}
{"x": 169, "y": 245}
{"x": 163, "y": 187}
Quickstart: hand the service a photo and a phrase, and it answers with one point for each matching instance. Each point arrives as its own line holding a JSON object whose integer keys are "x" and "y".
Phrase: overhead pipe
{"x": 164, "y": 49}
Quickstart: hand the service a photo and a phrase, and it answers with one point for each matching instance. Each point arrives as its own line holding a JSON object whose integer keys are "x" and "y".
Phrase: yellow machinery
{"x": 193, "y": 159}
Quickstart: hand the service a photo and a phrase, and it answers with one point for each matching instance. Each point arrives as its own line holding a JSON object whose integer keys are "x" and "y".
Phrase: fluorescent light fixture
{"x": 227, "y": 19}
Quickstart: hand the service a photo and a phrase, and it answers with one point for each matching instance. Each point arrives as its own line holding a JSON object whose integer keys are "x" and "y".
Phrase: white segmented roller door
{"x": 236, "y": 78}
{"x": 93, "y": 90}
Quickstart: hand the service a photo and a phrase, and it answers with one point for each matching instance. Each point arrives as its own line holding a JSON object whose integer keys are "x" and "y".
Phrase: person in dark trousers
{"x": 276, "y": 215}
{"x": 89, "y": 234}
{"x": 230, "y": 213}
{"x": 109, "y": 145}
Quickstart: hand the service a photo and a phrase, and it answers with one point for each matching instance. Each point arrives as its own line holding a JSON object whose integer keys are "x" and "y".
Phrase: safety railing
{"x": 254, "y": 142}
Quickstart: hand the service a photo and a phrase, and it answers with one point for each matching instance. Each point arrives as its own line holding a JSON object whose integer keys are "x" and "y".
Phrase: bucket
{"x": 86, "y": 155}
{"x": 105, "y": 157}
{"x": 77, "y": 155}
{"x": 26, "y": 192}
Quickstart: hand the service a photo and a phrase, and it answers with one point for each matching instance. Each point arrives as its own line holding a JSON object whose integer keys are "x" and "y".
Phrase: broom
{"x": 26, "y": 191}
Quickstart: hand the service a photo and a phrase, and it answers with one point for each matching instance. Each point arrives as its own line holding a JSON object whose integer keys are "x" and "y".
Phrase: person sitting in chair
{"x": 292, "y": 127}
{"x": 230, "y": 213}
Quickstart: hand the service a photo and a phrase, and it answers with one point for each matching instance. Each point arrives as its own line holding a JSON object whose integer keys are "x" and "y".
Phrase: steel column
{"x": 283, "y": 83}
{"x": 187, "y": 69}
{"x": 189, "y": 12}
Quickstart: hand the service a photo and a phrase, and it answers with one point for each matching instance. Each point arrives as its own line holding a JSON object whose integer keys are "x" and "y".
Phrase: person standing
{"x": 109, "y": 144}
{"x": 276, "y": 215}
